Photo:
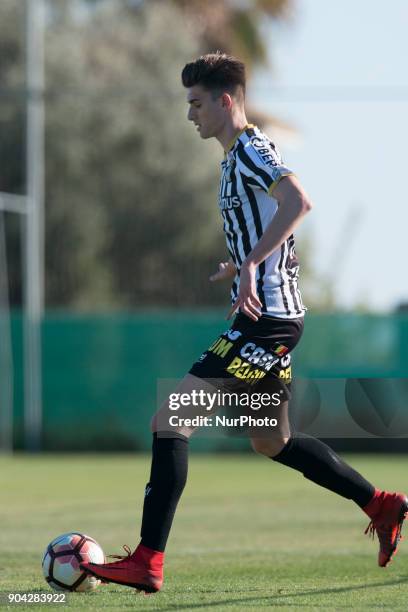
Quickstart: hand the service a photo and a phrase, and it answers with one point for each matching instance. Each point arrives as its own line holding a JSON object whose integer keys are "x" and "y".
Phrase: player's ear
{"x": 226, "y": 101}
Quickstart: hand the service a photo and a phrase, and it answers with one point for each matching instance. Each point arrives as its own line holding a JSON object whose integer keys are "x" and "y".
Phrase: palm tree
{"x": 233, "y": 26}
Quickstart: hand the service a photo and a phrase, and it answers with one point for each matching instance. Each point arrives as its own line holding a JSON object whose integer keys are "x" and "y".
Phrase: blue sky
{"x": 340, "y": 77}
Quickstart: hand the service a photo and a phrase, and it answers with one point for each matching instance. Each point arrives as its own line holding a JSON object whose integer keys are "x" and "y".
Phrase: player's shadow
{"x": 278, "y": 596}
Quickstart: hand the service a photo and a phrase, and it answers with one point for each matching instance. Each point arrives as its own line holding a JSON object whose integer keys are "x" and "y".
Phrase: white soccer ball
{"x": 62, "y": 558}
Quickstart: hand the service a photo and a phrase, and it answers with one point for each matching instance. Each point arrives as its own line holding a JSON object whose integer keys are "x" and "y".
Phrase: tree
{"x": 131, "y": 216}
{"x": 233, "y": 26}
{"x": 130, "y": 190}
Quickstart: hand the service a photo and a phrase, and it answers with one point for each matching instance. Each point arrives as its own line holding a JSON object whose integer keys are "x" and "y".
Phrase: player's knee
{"x": 270, "y": 447}
{"x": 158, "y": 424}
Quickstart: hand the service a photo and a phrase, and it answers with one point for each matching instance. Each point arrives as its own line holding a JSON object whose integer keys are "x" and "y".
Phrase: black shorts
{"x": 252, "y": 353}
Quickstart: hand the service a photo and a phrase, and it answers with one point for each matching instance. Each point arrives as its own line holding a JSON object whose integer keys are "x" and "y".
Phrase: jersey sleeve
{"x": 261, "y": 164}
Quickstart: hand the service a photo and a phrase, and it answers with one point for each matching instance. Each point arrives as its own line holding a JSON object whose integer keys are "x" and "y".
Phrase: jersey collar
{"x": 234, "y": 140}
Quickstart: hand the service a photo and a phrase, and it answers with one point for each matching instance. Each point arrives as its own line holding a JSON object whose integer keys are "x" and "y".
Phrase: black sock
{"x": 168, "y": 477}
{"x": 320, "y": 464}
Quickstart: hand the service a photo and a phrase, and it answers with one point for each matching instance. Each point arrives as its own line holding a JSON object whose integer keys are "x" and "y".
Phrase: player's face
{"x": 207, "y": 113}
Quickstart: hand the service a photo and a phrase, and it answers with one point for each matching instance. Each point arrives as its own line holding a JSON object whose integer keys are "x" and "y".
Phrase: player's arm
{"x": 293, "y": 205}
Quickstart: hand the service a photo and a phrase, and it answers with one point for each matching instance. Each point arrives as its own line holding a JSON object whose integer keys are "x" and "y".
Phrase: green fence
{"x": 100, "y": 372}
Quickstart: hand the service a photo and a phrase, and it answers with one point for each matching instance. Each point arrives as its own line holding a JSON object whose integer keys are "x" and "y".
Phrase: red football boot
{"x": 142, "y": 570}
{"x": 387, "y": 512}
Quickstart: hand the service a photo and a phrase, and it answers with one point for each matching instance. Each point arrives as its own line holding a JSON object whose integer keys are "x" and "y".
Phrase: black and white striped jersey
{"x": 251, "y": 169}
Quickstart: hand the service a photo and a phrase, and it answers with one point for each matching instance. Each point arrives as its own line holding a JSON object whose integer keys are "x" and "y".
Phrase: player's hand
{"x": 248, "y": 301}
{"x": 226, "y": 270}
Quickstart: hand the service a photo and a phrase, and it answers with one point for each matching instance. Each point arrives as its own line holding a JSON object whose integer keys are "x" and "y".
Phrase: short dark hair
{"x": 216, "y": 72}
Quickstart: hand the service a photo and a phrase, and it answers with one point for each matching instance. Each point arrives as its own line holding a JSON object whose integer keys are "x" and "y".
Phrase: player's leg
{"x": 267, "y": 441}
{"x": 314, "y": 459}
{"x": 162, "y": 422}
{"x": 320, "y": 464}
{"x": 169, "y": 466}
{"x": 143, "y": 569}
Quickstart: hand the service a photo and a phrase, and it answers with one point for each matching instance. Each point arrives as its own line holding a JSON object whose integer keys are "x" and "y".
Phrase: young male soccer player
{"x": 261, "y": 203}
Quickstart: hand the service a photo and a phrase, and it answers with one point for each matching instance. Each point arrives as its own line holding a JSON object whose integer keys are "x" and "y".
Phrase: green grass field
{"x": 248, "y": 534}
